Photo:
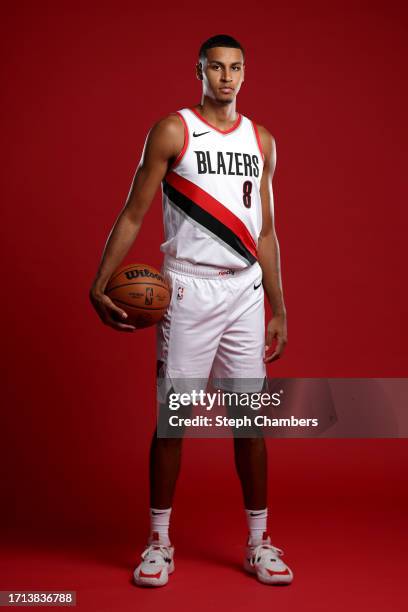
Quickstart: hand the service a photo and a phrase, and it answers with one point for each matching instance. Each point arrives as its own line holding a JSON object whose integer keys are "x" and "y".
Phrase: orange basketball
{"x": 141, "y": 292}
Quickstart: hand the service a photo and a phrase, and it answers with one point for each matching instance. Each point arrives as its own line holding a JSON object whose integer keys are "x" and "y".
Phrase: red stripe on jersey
{"x": 185, "y": 145}
{"x": 214, "y": 208}
{"x": 231, "y": 129}
{"x": 258, "y": 140}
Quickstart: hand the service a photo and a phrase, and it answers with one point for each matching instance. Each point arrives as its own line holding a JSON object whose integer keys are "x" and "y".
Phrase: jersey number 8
{"x": 246, "y": 195}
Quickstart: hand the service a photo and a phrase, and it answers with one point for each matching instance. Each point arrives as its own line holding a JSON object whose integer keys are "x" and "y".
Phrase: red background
{"x": 82, "y": 84}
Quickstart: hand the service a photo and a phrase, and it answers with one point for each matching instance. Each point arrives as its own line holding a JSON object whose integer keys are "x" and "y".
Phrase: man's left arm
{"x": 269, "y": 255}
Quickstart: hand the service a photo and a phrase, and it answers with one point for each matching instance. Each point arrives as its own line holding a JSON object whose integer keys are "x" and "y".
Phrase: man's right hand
{"x": 106, "y": 309}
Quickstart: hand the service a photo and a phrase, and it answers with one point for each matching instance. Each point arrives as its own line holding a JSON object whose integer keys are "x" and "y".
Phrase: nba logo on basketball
{"x": 149, "y": 296}
{"x": 180, "y": 293}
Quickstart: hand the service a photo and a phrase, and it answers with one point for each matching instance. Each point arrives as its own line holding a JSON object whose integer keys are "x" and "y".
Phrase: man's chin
{"x": 226, "y": 99}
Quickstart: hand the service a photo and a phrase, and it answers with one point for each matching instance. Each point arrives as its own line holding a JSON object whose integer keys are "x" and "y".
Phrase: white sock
{"x": 256, "y": 525}
{"x": 159, "y": 525}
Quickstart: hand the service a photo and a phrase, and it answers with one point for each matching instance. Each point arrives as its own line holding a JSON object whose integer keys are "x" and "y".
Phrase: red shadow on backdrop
{"x": 82, "y": 85}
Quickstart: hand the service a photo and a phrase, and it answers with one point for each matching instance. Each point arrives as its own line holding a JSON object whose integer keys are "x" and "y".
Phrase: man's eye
{"x": 236, "y": 67}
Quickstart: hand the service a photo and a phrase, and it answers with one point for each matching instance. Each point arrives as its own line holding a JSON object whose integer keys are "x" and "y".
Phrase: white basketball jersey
{"x": 211, "y": 194}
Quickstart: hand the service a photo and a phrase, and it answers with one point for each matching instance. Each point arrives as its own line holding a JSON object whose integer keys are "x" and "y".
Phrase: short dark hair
{"x": 220, "y": 40}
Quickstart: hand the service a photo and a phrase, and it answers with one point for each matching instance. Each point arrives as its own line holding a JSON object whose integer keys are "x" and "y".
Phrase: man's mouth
{"x": 226, "y": 89}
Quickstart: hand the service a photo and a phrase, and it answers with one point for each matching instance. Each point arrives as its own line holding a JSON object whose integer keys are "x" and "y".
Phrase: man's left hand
{"x": 276, "y": 330}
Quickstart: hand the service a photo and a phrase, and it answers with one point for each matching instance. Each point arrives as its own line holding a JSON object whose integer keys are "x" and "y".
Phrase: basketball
{"x": 141, "y": 292}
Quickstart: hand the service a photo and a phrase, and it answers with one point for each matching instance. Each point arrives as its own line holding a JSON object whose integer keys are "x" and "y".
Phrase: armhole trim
{"x": 185, "y": 145}
{"x": 258, "y": 140}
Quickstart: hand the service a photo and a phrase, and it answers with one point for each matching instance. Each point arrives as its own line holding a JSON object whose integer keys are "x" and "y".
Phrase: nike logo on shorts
{"x": 201, "y": 134}
{"x": 257, "y": 286}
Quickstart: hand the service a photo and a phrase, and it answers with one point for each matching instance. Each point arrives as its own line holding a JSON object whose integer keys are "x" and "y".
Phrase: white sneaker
{"x": 264, "y": 561}
{"x": 156, "y": 565}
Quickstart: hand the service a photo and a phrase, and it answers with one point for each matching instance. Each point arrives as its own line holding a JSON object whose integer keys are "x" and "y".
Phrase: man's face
{"x": 222, "y": 73}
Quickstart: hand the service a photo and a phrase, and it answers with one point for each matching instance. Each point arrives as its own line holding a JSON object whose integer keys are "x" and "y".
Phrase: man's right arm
{"x": 164, "y": 142}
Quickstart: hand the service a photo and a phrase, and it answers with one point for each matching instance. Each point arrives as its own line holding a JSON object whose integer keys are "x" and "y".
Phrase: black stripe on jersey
{"x": 208, "y": 221}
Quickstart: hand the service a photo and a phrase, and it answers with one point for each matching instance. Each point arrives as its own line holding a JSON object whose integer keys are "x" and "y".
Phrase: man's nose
{"x": 226, "y": 75}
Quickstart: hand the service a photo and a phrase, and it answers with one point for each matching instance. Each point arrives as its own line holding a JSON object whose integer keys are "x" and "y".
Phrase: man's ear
{"x": 199, "y": 71}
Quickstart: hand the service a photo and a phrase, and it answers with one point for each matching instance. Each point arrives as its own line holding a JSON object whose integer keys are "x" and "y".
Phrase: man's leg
{"x": 165, "y": 459}
{"x": 251, "y": 465}
{"x": 262, "y": 558}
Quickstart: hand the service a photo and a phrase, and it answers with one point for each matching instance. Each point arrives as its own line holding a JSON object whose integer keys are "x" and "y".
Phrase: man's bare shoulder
{"x": 170, "y": 126}
{"x": 267, "y": 140}
{"x": 166, "y": 137}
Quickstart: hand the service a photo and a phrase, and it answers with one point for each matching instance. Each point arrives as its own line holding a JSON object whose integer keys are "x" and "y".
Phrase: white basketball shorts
{"x": 214, "y": 326}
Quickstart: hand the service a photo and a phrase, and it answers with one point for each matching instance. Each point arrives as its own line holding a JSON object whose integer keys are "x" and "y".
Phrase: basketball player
{"x": 220, "y": 255}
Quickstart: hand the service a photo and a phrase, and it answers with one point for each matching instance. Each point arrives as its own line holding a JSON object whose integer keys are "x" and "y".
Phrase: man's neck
{"x": 222, "y": 116}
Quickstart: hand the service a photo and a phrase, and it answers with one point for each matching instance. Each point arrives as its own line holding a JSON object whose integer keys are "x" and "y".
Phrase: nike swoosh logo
{"x": 255, "y": 513}
{"x": 257, "y": 286}
{"x": 143, "y": 575}
{"x": 202, "y": 134}
{"x": 157, "y": 513}
{"x": 274, "y": 573}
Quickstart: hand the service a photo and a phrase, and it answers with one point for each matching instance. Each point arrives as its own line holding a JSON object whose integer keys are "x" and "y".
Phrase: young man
{"x": 221, "y": 254}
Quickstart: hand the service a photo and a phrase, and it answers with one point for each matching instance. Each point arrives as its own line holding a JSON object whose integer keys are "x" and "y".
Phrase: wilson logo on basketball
{"x": 142, "y": 274}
